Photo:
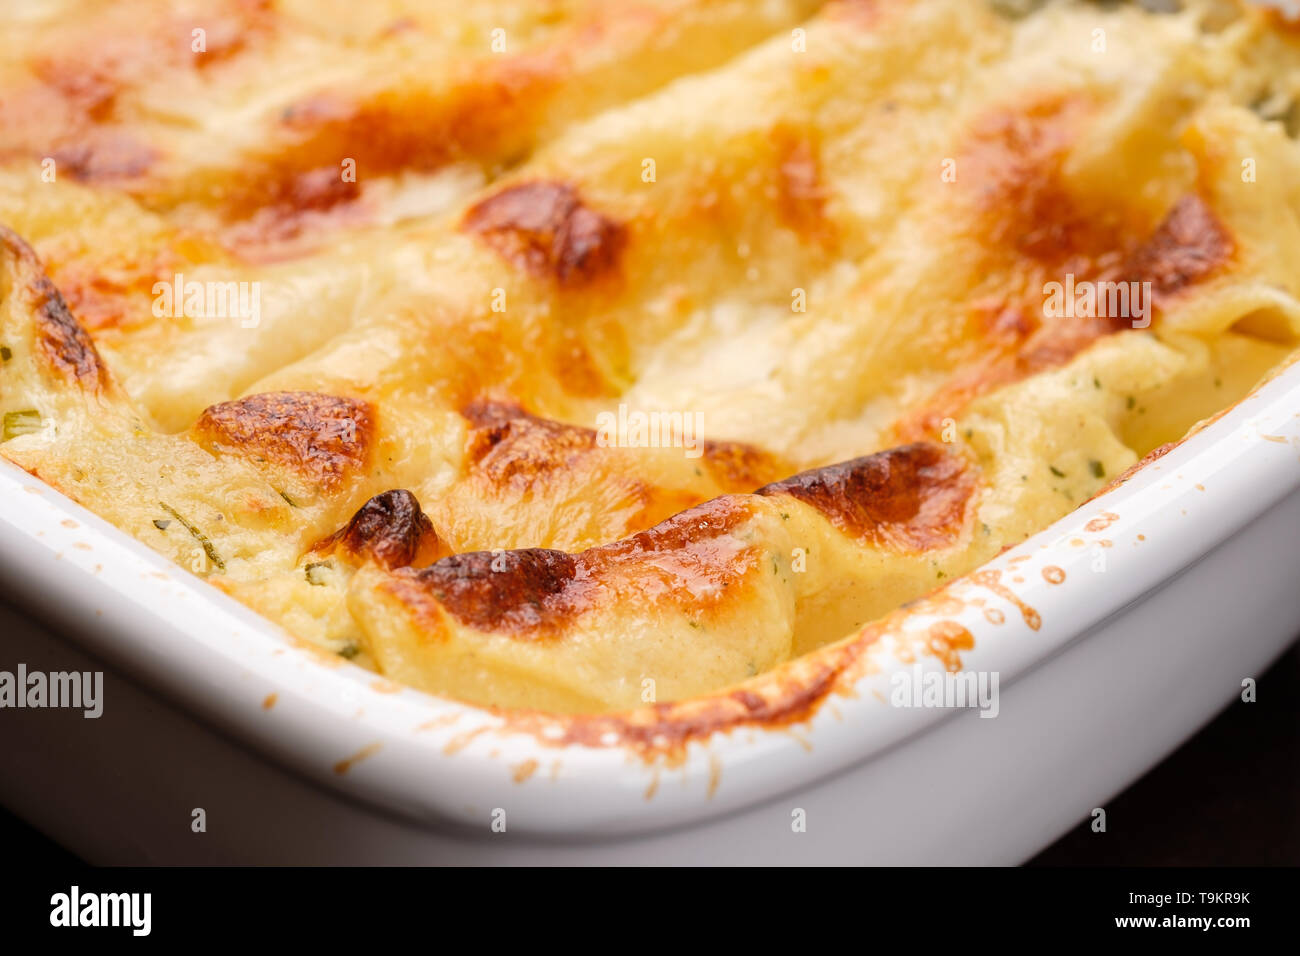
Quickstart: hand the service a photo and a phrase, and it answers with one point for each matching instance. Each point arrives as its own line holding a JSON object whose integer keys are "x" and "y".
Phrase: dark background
{"x": 1228, "y": 797}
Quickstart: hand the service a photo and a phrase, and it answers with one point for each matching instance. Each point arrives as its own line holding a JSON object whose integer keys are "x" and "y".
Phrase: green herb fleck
{"x": 1098, "y": 471}
{"x": 6, "y": 353}
{"x": 291, "y": 502}
{"x": 1131, "y": 402}
{"x": 26, "y": 422}
{"x": 349, "y": 650}
{"x": 313, "y": 572}
{"x": 1056, "y": 471}
{"x": 1015, "y": 9}
{"x": 1096, "y": 383}
{"x": 162, "y": 524}
{"x": 197, "y": 535}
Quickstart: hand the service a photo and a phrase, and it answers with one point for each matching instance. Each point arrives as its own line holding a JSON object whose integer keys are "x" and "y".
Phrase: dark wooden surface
{"x": 1230, "y": 797}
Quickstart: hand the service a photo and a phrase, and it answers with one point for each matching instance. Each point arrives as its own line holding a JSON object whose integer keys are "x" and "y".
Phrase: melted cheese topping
{"x": 577, "y": 354}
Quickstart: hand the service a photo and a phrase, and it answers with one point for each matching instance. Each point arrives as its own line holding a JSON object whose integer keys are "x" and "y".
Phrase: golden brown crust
{"x": 538, "y": 592}
{"x": 510, "y": 447}
{"x": 1188, "y": 245}
{"x": 389, "y": 529}
{"x": 524, "y": 593}
{"x": 783, "y": 698}
{"x": 693, "y": 530}
{"x": 663, "y": 731}
{"x": 420, "y": 129}
{"x": 63, "y": 340}
{"x": 322, "y": 438}
{"x": 912, "y": 498}
{"x": 801, "y": 193}
{"x": 1015, "y": 153}
{"x": 60, "y": 338}
{"x": 547, "y": 230}
{"x": 540, "y": 475}
{"x": 738, "y": 466}
{"x": 70, "y": 110}
{"x": 109, "y": 299}
{"x": 668, "y": 293}
{"x": 284, "y": 207}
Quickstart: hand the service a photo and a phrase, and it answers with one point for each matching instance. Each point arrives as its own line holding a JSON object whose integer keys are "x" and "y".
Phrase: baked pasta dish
{"x": 535, "y": 353}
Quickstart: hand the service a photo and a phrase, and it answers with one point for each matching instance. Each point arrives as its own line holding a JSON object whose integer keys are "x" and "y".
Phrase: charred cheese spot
{"x": 545, "y": 229}
{"x": 64, "y": 342}
{"x": 1016, "y": 156}
{"x": 60, "y": 338}
{"x": 1187, "y": 246}
{"x": 522, "y": 593}
{"x": 1036, "y": 231}
{"x": 389, "y": 529}
{"x": 691, "y": 558}
{"x": 911, "y": 498}
{"x": 319, "y": 437}
{"x": 510, "y": 447}
{"x": 693, "y": 533}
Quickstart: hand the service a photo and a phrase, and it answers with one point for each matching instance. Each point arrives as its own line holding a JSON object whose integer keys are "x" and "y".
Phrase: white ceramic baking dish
{"x": 206, "y": 705}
